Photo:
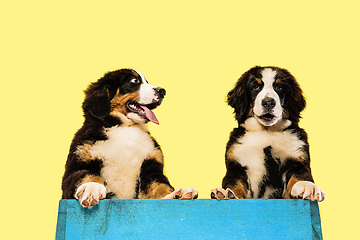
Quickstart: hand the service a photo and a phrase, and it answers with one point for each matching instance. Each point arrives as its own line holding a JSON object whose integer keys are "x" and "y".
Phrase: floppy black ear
{"x": 97, "y": 100}
{"x": 238, "y": 98}
{"x": 295, "y": 101}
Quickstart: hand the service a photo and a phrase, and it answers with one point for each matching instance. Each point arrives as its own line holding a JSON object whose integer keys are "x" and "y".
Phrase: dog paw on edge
{"x": 220, "y": 193}
{"x": 186, "y": 193}
{"x": 90, "y": 193}
{"x": 307, "y": 190}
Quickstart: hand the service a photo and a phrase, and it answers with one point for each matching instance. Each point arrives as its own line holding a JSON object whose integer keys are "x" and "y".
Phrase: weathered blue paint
{"x": 184, "y": 219}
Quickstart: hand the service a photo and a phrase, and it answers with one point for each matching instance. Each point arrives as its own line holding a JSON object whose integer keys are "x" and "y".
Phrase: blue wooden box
{"x": 196, "y": 219}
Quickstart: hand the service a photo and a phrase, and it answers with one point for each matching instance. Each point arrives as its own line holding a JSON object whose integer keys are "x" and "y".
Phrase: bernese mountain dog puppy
{"x": 113, "y": 154}
{"x": 267, "y": 155}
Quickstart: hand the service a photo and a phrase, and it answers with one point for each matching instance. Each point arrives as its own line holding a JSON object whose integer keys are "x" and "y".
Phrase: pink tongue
{"x": 150, "y": 115}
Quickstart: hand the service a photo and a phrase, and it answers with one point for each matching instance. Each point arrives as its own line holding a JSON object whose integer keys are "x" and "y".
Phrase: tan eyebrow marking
{"x": 135, "y": 74}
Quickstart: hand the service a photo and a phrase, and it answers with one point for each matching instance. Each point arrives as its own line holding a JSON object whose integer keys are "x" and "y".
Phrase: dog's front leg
{"x": 234, "y": 184}
{"x": 90, "y": 191}
{"x": 155, "y": 185}
{"x": 304, "y": 189}
{"x": 300, "y": 183}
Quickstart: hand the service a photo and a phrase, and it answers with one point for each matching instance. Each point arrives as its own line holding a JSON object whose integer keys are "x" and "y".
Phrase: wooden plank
{"x": 315, "y": 220}
{"x": 197, "y": 219}
{"x": 61, "y": 221}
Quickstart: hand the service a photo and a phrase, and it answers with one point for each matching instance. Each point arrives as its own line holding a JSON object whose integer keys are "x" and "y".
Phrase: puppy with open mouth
{"x": 267, "y": 155}
{"x": 113, "y": 154}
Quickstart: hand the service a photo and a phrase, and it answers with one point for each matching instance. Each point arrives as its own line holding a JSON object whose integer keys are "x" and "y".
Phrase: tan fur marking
{"x": 250, "y": 113}
{"x": 230, "y": 153}
{"x": 118, "y": 103}
{"x": 258, "y": 81}
{"x": 302, "y": 156}
{"x": 291, "y": 183}
{"x": 135, "y": 74}
{"x": 90, "y": 178}
{"x": 240, "y": 189}
{"x": 156, "y": 191}
{"x": 156, "y": 154}
{"x": 83, "y": 151}
{"x": 277, "y": 81}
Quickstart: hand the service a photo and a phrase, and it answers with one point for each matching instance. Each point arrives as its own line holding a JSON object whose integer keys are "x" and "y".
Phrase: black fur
{"x": 99, "y": 94}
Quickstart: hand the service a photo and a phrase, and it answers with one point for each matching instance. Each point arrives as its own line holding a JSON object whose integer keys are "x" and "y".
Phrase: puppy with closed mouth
{"x": 267, "y": 155}
{"x": 113, "y": 154}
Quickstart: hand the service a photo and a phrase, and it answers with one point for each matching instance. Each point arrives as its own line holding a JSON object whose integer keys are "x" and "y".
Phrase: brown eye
{"x": 278, "y": 88}
{"x": 135, "y": 81}
{"x": 256, "y": 87}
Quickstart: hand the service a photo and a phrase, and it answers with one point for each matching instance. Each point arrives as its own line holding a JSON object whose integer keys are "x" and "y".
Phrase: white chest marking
{"x": 122, "y": 154}
{"x": 250, "y": 152}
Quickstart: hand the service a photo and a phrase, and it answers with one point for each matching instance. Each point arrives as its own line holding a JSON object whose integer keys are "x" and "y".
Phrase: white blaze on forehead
{"x": 141, "y": 76}
{"x": 268, "y": 78}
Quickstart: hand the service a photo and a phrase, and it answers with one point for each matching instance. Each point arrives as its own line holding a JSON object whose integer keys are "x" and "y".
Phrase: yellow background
{"x": 51, "y": 51}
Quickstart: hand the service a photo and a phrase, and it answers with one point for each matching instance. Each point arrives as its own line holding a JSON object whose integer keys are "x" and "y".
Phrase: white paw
{"x": 90, "y": 193}
{"x": 186, "y": 193}
{"x": 307, "y": 190}
{"x": 220, "y": 193}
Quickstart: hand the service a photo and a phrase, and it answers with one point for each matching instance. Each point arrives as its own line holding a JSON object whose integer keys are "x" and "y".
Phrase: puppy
{"x": 267, "y": 155}
{"x": 113, "y": 154}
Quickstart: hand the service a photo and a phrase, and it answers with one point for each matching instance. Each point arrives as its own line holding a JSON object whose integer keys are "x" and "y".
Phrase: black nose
{"x": 160, "y": 92}
{"x": 268, "y": 103}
